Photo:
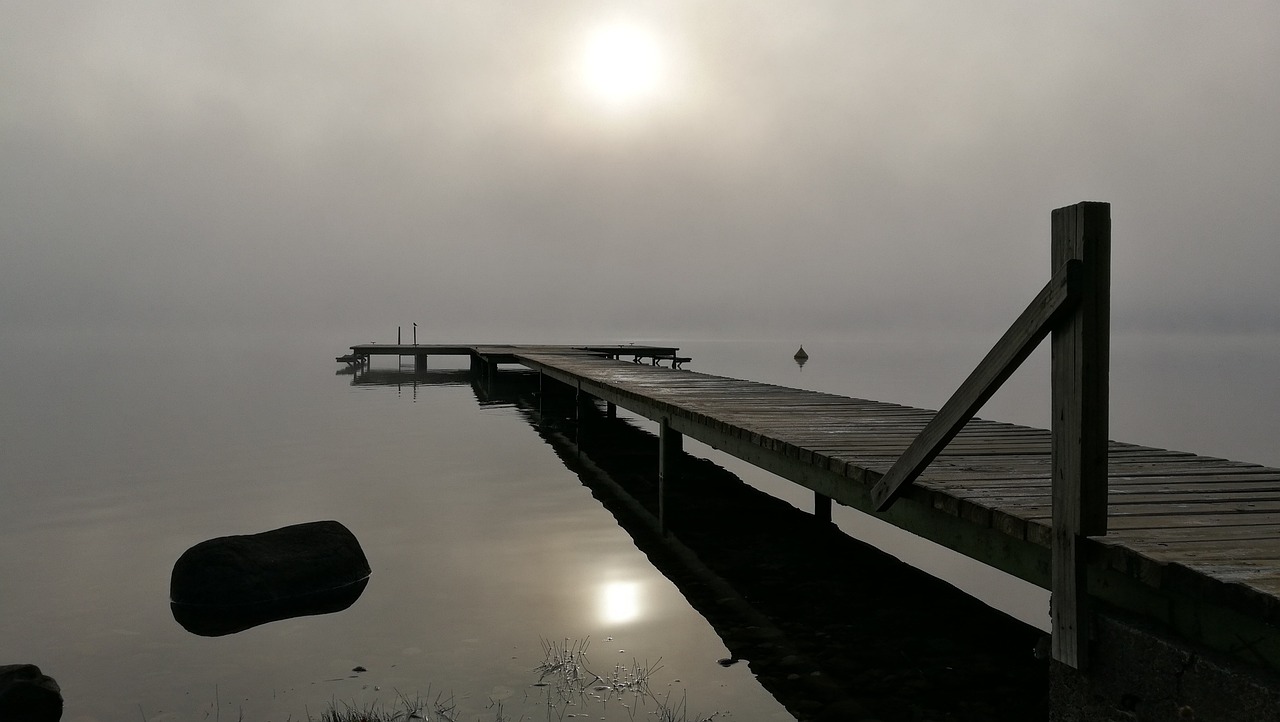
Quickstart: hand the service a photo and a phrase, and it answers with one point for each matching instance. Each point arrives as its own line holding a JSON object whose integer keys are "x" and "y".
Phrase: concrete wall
{"x": 1138, "y": 674}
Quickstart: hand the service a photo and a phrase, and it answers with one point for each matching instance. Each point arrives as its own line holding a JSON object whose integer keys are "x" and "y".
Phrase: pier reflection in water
{"x": 832, "y": 627}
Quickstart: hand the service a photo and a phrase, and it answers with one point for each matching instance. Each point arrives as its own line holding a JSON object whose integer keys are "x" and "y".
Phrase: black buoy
{"x": 801, "y": 355}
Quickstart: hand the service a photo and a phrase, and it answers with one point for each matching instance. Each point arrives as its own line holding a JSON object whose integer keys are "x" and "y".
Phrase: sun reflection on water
{"x": 620, "y": 602}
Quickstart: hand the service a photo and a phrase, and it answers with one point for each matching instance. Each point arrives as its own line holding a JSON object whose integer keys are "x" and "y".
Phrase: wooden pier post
{"x": 1080, "y": 363}
{"x": 822, "y": 507}
{"x": 610, "y": 410}
{"x": 670, "y": 445}
{"x": 582, "y": 400}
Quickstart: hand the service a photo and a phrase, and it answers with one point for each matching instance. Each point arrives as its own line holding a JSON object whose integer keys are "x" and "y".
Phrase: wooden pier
{"x": 487, "y": 357}
{"x": 1164, "y": 566}
{"x": 1193, "y": 541}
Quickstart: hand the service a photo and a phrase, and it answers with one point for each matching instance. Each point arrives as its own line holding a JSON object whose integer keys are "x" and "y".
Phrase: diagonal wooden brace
{"x": 1057, "y": 298}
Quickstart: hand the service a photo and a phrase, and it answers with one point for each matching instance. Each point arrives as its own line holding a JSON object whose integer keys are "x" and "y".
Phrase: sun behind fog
{"x": 621, "y": 65}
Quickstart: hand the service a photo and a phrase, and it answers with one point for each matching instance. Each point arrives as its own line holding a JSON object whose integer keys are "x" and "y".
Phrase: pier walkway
{"x": 1193, "y": 543}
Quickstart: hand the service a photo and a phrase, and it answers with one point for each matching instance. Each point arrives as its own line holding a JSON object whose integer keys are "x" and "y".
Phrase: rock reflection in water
{"x": 218, "y": 621}
{"x": 832, "y": 627}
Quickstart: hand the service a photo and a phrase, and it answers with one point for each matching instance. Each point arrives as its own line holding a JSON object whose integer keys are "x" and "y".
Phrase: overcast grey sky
{"x": 766, "y": 168}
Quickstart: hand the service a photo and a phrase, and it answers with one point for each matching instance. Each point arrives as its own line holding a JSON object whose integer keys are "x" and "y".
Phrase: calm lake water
{"x": 485, "y": 533}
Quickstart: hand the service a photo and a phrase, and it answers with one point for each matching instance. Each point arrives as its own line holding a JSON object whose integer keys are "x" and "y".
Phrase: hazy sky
{"x": 621, "y": 169}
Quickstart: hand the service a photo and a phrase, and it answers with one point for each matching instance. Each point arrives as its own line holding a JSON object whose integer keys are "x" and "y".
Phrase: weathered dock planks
{"x": 1191, "y": 541}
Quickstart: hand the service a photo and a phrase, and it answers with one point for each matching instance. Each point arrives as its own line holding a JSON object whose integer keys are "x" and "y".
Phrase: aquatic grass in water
{"x": 441, "y": 708}
{"x": 404, "y": 709}
{"x": 568, "y": 681}
{"x": 570, "y": 689}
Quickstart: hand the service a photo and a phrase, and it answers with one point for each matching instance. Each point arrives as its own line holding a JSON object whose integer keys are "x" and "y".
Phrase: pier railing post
{"x": 1080, "y": 364}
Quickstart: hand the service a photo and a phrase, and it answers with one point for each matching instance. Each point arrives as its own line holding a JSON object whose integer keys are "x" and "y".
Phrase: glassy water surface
{"x": 483, "y": 533}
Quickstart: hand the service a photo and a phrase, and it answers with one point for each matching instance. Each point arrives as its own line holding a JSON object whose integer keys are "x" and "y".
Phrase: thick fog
{"x": 817, "y": 167}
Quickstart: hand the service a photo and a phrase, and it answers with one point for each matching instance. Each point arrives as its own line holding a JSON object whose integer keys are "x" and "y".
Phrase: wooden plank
{"x": 1136, "y": 539}
{"x": 1175, "y": 520}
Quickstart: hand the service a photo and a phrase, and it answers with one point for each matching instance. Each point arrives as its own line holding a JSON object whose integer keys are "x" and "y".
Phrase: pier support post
{"x": 670, "y": 445}
{"x": 542, "y": 389}
{"x": 822, "y": 507}
{"x": 1080, "y": 362}
{"x": 582, "y": 400}
{"x": 610, "y": 410}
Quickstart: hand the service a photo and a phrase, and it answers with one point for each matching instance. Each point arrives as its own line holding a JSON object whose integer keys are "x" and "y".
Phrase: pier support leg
{"x": 822, "y": 507}
{"x": 670, "y": 445}
{"x": 582, "y": 400}
{"x": 610, "y": 410}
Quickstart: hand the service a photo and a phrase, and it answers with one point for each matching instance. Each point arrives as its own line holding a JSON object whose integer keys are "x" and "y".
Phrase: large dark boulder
{"x": 231, "y": 583}
{"x": 28, "y": 695}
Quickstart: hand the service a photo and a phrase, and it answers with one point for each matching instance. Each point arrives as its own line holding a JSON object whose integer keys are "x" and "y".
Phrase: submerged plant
{"x": 569, "y": 681}
{"x": 568, "y": 686}
{"x": 405, "y": 708}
